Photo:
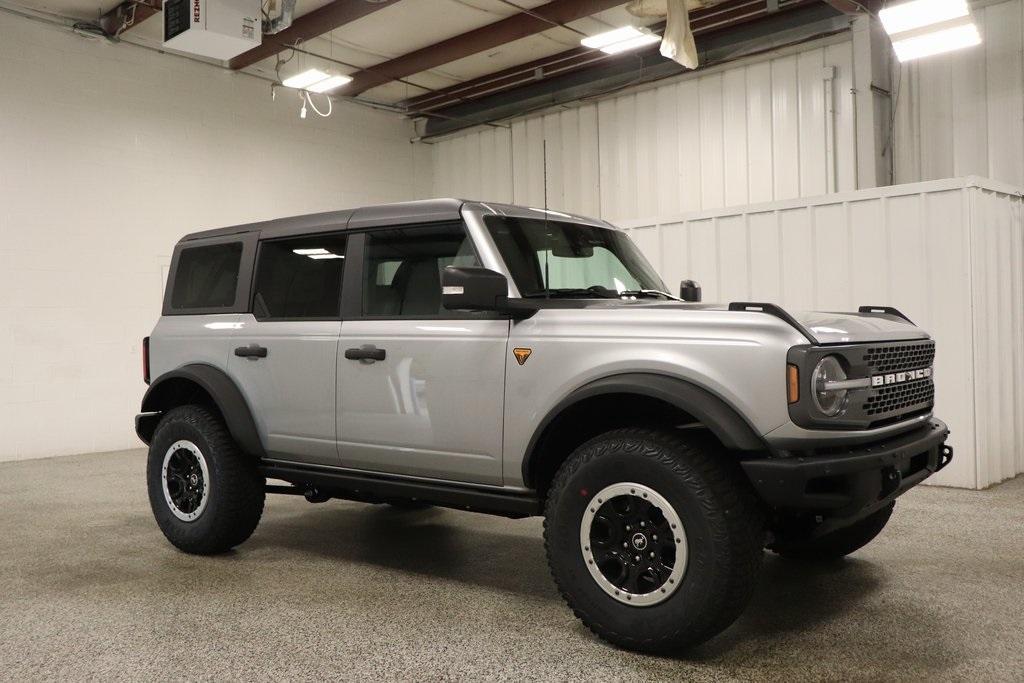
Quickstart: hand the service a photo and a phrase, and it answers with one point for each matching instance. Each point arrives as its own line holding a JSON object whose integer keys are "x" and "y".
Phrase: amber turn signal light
{"x": 793, "y": 383}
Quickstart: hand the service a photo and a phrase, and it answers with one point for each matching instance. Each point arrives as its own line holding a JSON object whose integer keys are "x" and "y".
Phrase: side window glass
{"x": 402, "y": 275}
{"x": 207, "y": 277}
{"x": 299, "y": 278}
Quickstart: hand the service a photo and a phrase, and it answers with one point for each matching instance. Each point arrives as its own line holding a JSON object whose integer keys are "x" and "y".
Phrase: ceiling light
{"x": 310, "y": 252}
{"x": 631, "y": 44}
{"x": 944, "y": 40}
{"x": 621, "y": 39}
{"x": 323, "y": 256}
{"x": 329, "y": 83}
{"x": 608, "y": 37}
{"x": 304, "y": 79}
{"x": 910, "y": 15}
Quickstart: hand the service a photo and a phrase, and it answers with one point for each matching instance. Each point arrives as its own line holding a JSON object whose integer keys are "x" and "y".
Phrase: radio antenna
{"x": 547, "y": 232}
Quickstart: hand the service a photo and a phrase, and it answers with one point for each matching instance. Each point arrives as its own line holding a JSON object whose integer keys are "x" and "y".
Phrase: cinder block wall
{"x": 108, "y": 154}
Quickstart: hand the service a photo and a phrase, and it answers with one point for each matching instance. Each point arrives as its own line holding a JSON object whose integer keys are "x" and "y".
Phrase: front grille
{"x": 899, "y": 357}
{"x": 898, "y": 386}
{"x": 900, "y": 397}
{"x": 882, "y": 404}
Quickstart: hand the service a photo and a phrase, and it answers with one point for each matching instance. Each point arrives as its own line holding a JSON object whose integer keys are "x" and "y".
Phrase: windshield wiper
{"x": 648, "y": 292}
{"x": 592, "y": 292}
{"x": 599, "y": 292}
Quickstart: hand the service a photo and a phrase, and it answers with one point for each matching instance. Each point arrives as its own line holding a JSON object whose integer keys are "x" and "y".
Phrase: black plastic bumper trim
{"x": 850, "y": 480}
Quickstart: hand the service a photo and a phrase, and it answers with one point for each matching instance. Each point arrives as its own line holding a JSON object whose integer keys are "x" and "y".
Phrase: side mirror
{"x": 473, "y": 289}
{"x": 689, "y": 291}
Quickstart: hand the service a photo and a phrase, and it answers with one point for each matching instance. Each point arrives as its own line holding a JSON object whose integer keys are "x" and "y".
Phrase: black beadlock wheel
{"x": 206, "y": 495}
{"x": 839, "y": 543}
{"x": 653, "y": 537}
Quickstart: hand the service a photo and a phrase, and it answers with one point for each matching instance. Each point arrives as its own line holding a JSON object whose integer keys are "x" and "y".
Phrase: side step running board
{"x": 367, "y": 488}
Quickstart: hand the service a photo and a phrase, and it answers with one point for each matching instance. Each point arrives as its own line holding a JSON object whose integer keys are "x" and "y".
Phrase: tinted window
{"x": 299, "y": 278}
{"x": 207, "y": 277}
{"x": 403, "y": 268}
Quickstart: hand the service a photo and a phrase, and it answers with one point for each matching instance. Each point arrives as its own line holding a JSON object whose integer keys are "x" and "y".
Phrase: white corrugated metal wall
{"x": 962, "y": 113}
{"x": 947, "y": 253}
{"x": 756, "y": 131}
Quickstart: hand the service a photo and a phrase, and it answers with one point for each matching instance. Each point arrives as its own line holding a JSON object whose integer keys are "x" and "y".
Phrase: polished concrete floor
{"x": 89, "y": 589}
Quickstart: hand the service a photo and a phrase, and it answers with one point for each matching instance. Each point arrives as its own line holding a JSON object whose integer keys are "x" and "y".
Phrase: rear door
{"x": 420, "y": 388}
{"x": 284, "y": 355}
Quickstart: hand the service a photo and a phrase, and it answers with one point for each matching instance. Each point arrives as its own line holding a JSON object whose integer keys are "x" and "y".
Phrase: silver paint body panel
{"x": 433, "y": 407}
{"x": 291, "y": 392}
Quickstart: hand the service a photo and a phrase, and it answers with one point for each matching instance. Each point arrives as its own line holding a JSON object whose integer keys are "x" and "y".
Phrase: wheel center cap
{"x": 639, "y": 541}
{"x": 193, "y": 479}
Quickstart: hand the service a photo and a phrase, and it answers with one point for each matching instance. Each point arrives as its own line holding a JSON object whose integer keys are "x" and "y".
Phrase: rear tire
{"x": 206, "y": 495}
{"x": 672, "y": 596}
{"x": 839, "y": 543}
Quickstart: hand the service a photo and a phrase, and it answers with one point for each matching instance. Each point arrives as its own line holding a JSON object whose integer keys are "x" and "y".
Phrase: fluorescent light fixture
{"x": 910, "y": 15}
{"x": 323, "y": 256}
{"x": 621, "y": 39}
{"x": 310, "y": 252}
{"x": 608, "y": 37}
{"x": 329, "y": 83}
{"x": 304, "y": 79}
{"x": 944, "y": 40}
{"x": 631, "y": 44}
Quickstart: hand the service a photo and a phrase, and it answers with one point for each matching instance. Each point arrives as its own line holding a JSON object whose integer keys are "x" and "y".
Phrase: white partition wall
{"x": 947, "y": 253}
{"x": 762, "y": 128}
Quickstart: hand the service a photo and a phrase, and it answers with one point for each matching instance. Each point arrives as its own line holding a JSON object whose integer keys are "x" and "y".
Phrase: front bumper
{"x": 851, "y": 482}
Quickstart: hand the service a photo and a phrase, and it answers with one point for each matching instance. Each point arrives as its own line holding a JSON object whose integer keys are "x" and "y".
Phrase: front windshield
{"x": 553, "y": 258}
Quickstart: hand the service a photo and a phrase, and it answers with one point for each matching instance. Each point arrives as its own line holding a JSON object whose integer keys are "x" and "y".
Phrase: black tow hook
{"x": 892, "y": 479}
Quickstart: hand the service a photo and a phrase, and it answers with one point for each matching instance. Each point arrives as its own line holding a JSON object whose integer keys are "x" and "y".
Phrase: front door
{"x": 284, "y": 355}
{"x": 420, "y": 389}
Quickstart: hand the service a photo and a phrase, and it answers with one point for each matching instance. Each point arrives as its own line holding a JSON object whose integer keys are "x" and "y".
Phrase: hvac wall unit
{"x": 220, "y": 29}
{"x": 948, "y": 253}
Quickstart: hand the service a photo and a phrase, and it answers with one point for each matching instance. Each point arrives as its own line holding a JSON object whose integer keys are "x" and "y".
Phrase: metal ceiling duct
{"x": 283, "y": 20}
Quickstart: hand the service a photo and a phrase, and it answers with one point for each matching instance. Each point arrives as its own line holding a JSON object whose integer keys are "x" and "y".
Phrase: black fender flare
{"x": 724, "y": 421}
{"x": 225, "y": 394}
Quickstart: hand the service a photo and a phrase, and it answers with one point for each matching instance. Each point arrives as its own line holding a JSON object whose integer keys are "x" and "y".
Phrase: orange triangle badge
{"x": 521, "y": 355}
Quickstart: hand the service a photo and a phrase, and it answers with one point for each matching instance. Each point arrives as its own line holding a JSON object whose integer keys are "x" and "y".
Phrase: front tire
{"x": 692, "y": 530}
{"x": 206, "y": 495}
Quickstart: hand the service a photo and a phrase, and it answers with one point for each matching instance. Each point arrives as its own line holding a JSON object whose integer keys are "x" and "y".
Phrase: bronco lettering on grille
{"x": 900, "y": 377}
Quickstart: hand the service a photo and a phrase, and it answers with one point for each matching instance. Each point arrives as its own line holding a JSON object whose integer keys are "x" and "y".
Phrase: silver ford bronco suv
{"x": 523, "y": 362}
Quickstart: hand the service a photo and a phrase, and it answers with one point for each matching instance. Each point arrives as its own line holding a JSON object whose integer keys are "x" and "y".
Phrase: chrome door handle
{"x": 252, "y": 352}
{"x": 367, "y": 352}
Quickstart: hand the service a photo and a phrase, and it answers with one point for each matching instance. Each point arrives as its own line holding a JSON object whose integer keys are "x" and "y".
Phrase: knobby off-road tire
{"x": 839, "y": 543}
{"x": 213, "y": 497}
{"x": 721, "y": 537}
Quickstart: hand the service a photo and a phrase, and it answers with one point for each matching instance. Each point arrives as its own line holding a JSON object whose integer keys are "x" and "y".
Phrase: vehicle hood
{"x": 829, "y": 327}
{"x": 844, "y": 328}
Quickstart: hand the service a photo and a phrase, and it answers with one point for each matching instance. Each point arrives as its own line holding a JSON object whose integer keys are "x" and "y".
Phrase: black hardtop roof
{"x": 420, "y": 211}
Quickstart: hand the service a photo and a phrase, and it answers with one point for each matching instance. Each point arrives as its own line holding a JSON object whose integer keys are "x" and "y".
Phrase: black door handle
{"x": 366, "y": 352}
{"x": 253, "y": 351}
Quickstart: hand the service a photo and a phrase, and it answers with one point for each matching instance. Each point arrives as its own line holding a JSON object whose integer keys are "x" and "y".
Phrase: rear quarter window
{"x": 207, "y": 277}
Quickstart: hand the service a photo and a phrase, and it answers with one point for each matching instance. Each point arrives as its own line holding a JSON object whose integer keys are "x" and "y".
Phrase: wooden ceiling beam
{"x": 703, "y": 21}
{"x": 309, "y": 26}
{"x": 127, "y": 15}
{"x": 517, "y": 26}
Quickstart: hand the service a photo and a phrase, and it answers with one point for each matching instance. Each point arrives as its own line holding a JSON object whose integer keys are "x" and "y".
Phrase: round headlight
{"x": 829, "y": 401}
